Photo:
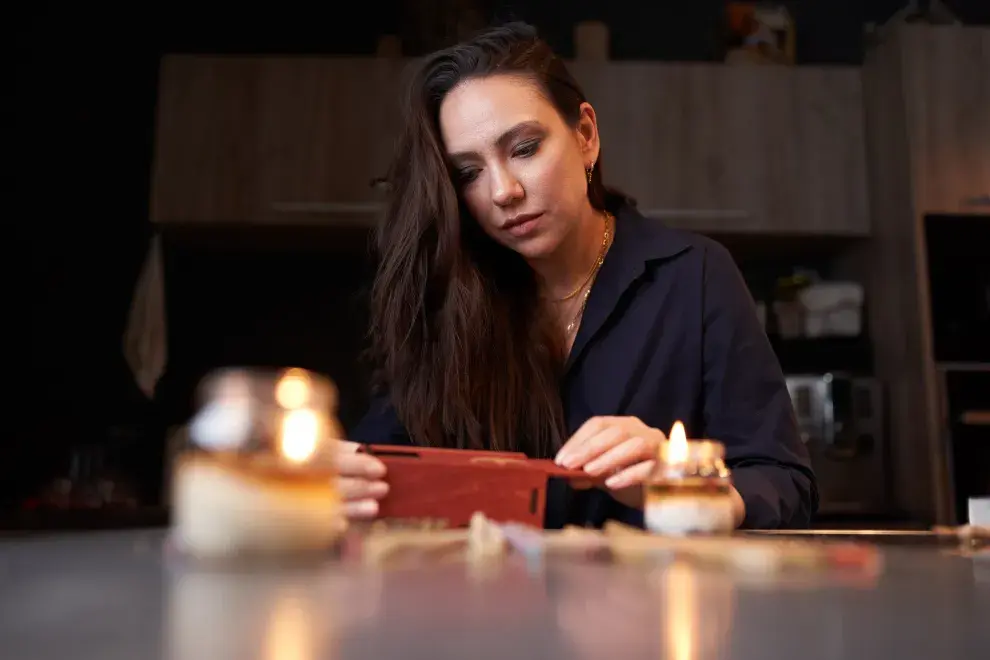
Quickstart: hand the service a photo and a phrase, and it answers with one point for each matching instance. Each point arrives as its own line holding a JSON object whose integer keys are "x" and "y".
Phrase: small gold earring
{"x": 590, "y": 171}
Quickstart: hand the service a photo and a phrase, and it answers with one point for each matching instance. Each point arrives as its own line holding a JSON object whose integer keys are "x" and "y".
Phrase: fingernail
{"x": 615, "y": 481}
{"x": 379, "y": 488}
{"x": 560, "y": 458}
{"x": 594, "y": 467}
{"x": 362, "y": 508}
{"x": 375, "y": 470}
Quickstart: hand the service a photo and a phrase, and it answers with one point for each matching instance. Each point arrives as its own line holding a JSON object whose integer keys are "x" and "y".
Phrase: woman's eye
{"x": 527, "y": 149}
{"x": 466, "y": 176}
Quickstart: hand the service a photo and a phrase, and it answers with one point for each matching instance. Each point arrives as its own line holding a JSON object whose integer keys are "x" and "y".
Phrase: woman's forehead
{"x": 478, "y": 111}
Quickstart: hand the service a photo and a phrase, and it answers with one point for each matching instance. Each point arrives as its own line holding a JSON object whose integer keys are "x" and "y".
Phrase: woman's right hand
{"x": 360, "y": 480}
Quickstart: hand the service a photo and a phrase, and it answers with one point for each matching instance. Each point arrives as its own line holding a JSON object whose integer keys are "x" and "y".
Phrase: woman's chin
{"x": 535, "y": 248}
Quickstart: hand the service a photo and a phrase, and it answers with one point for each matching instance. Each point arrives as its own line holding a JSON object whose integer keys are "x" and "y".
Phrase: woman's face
{"x": 520, "y": 167}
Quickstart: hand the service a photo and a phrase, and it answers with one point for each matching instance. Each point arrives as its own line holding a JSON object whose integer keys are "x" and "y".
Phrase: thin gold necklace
{"x": 572, "y": 326}
{"x": 594, "y": 266}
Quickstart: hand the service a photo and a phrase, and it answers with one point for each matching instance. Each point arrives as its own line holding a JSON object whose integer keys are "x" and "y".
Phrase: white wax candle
{"x": 689, "y": 514}
{"x": 689, "y": 492}
{"x": 221, "y": 510}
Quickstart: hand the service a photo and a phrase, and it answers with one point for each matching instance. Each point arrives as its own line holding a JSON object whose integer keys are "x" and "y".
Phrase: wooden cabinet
{"x": 735, "y": 149}
{"x": 946, "y": 88}
{"x": 248, "y": 139}
{"x": 928, "y": 115}
{"x": 328, "y": 127}
{"x": 707, "y": 147}
{"x": 205, "y": 142}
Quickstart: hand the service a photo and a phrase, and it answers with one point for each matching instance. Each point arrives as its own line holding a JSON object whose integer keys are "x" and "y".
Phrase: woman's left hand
{"x": 622, "y": 447}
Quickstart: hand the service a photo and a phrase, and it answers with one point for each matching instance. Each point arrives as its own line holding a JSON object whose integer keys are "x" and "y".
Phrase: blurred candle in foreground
{"x": 689, "y": 492}
{"x": 258, "y": 478}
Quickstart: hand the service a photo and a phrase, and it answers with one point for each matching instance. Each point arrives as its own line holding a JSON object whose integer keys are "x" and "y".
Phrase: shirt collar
{"x": 638, "y": 241}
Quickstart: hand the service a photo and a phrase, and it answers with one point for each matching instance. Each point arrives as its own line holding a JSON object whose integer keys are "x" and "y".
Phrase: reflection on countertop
{"x": 118, "y": 594}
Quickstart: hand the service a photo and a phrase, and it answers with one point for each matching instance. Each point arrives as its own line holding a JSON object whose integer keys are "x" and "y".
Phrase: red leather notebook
{"x": 452, "y": 484}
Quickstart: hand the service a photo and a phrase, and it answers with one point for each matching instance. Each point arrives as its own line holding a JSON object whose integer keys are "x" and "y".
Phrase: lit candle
{"x": 690, "y": 489}
{"x": 259, "y": 476}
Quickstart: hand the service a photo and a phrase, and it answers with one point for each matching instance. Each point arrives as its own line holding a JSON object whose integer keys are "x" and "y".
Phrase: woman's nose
{"x": 506, "y": 188}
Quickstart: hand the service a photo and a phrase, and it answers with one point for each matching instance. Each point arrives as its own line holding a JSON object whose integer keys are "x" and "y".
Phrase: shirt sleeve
{"x": 747, "y": 405}
{"x": 380, "y": 425}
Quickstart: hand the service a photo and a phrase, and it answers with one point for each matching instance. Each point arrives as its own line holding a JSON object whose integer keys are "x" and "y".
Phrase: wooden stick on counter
{"x": 750, "y": 555}
{"x": 380, "y": 546}
{"x": 483, "y": 539}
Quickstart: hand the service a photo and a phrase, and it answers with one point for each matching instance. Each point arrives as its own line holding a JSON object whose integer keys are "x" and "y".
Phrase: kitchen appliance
{"x": 841, "y": 420}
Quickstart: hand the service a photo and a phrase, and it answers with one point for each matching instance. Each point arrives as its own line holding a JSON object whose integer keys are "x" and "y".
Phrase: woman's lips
{"x": 523, "y": 225}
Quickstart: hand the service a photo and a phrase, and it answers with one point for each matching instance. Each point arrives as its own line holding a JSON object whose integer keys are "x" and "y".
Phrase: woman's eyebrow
{"x": 505, "y": 138}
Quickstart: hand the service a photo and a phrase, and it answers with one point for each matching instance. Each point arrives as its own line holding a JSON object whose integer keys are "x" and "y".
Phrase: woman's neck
{"x": 568, "y": 267}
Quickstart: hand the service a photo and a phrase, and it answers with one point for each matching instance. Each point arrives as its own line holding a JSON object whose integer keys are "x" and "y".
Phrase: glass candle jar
{"x": 690, "y": 489}
{"x": 257, "y": 476}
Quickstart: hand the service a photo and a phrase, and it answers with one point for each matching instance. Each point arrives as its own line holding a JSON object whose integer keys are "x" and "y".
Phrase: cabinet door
{"x": 206, "y": 167}
{"x": 808, "y": 159}
{"x": 663, "y": 131}
{"x": 734, "y": 149}
{"x": 244, "y": 139}
{"x": 829, "y": 193}
{"x": 328, "y": 126}
{"x": 946, "y": 78}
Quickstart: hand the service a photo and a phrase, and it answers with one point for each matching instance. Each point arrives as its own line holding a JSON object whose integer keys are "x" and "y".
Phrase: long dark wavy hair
{"x": 467, "y": 355}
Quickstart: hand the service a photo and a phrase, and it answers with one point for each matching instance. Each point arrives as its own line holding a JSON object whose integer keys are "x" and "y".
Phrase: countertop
{"x": 118, "y": 595}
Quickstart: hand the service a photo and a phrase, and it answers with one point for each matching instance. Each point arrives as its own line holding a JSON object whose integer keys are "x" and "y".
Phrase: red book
{"x": 452, "y": 484}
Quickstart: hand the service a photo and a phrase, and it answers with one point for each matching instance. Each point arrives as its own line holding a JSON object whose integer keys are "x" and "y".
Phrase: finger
{"x": 359, "y": 465}
{"x": 626, "y": 453}
{"x": 631, "y": 476}
{"x": 361, "y": 489}
{"x": 593, "y": 426}
{"x": 348, "y": 447}
{"x": 361, "y": 509}
{"x": 596, "y": 446}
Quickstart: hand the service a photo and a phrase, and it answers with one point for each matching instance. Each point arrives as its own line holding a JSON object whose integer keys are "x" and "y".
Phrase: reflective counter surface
{"x": 117, "y": 595}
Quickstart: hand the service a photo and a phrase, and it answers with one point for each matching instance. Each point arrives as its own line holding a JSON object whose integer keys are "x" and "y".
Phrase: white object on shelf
{"x": 979, "y": 511}
{"x": 832, "y": 309}
{"x": 790, "y": 318}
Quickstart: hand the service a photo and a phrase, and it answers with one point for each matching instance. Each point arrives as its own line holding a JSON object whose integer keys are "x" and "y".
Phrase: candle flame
{"x": 300, "y": 435}
{"x": 677, "y": 450}
{"x": 293, "y": 389}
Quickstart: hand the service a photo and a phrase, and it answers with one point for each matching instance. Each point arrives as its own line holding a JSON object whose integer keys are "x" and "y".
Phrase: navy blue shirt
{"x": 670, "y": 333}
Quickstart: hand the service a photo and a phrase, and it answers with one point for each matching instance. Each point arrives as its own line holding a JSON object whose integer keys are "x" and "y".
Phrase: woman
{"x": 521, "y": 305}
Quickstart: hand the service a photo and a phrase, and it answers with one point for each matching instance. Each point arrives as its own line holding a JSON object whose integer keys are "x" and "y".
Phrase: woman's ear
{"x": 587, "y": 134}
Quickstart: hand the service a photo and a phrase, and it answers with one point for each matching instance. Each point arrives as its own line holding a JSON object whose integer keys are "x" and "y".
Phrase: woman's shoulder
{"x": 644, "y": 235}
